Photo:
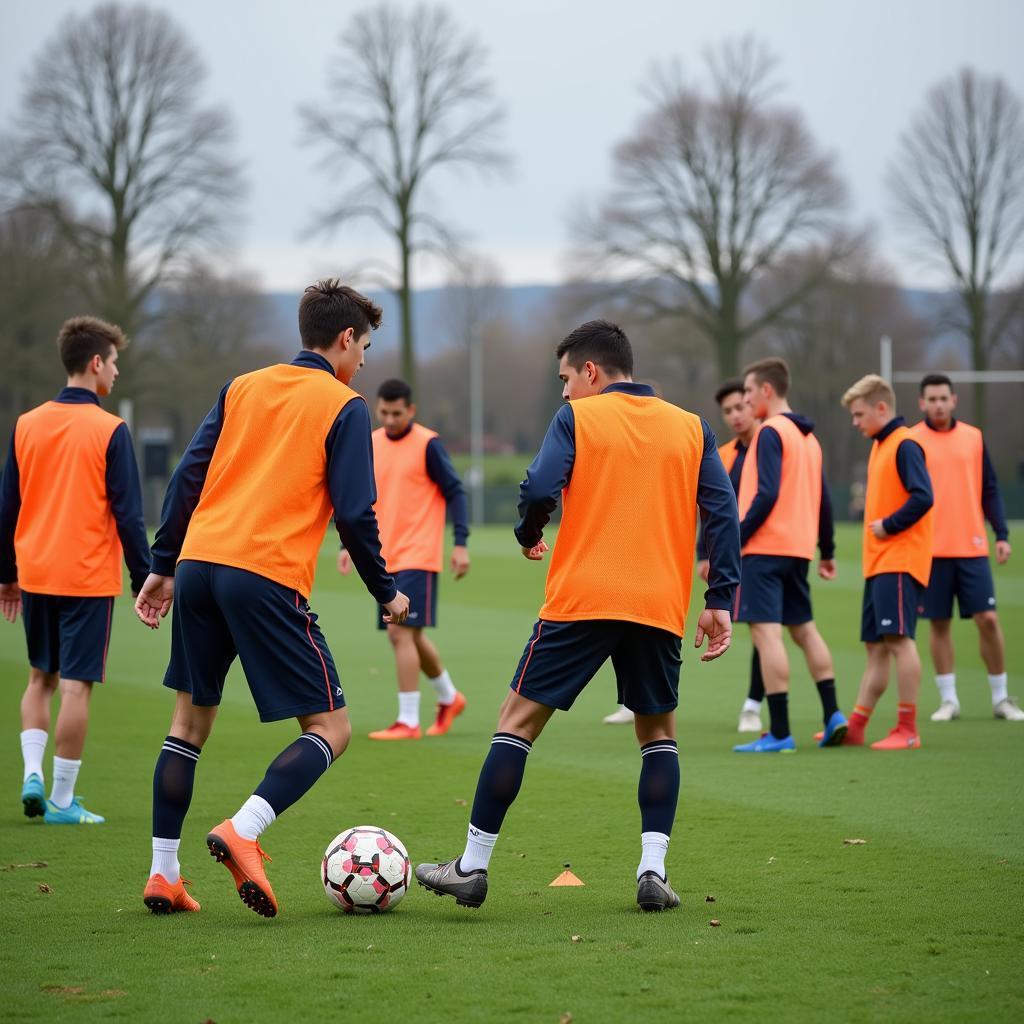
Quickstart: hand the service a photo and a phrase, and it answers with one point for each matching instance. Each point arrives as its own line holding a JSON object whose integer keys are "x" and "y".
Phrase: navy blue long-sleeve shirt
{"x": 550, "y": 472}
{"x": 124, "y": 492}
{"x": 991, "y": 497}
{"x": 913, "y": 474}
{"x": 735, "y": 471}
{"x": 769, "y": 477}
{"x": 349, "y": 481}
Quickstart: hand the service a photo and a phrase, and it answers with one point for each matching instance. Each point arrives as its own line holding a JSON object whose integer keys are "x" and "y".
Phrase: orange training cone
{"x": 565, "y": 878}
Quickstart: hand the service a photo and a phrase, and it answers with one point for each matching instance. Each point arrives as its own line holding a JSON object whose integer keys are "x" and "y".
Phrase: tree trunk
{"x": 729, "y": 336}
{"x": 408, "y": 361}
{"x": 979, "y": 354}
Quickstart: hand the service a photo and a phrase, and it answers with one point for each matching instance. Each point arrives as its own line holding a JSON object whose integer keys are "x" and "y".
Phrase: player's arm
{"x": 185, "y": 488}
{"x": 992, "y": 506}
{"x": 913, "y": 473}
{"x": 10, "y": 507}
{"x": 353, "y": 492}
{"x": 124, "y": 491}
{"x": 548, "y": 475}
{"x": 826, "y": 533}
{"x": 769, "y": 476}
{"x": 716, "y": 501}
{"x": 449, "y": 483}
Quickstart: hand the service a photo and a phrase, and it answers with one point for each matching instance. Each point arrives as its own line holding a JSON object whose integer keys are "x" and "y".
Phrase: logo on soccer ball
{"x": 365, "y": 870}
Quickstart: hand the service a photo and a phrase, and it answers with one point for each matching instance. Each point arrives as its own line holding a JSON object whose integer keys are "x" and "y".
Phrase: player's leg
{"x": 898, "y": 595}
{"x": 937, "y": 607}
{"x": 450, "y": 702}
{"x": 69, "y": 735}
{"x": 35, "y": 730}
{"x": 875, "y": 679}
{"x": 557, "y": 663}
{"x": 407, "y": 669}
{"x": 819, "y": 663}
{"x": 750, "y": 713}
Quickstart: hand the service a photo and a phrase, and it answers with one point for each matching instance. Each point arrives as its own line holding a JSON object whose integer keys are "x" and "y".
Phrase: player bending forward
{"x": 632, "y": 470}
{"x": 897, "y": 560}
{"x": 242, "y": 524}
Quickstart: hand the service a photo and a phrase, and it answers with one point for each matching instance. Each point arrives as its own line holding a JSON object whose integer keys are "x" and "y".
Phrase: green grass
{"x": 923, "y": 922}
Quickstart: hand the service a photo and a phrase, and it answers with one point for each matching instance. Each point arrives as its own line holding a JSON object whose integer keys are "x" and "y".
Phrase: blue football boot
{"x": 768, "y": 744}
{"x": 33, "y": 796}
{"x": 835, "y": 730}
{"x": 75, "y": 814}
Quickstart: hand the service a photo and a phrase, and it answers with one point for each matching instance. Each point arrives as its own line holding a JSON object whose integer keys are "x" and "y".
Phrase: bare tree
{"x": 711, "y": 190}
{"x": 407, "y": 97}
{"x": 958, "y": 182}
{"x": 112, "y": 146}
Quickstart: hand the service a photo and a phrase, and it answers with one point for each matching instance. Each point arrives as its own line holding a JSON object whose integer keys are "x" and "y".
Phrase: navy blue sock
{"x": 756, "y": 691}
{"x": 173, "y": 777}
{"x": 292, "y": 773}
{"x": 827, "y": 693}
{"x": 499, "y": 782}
{"x": 658, "y": 792}
{"x": 778, "y": 714}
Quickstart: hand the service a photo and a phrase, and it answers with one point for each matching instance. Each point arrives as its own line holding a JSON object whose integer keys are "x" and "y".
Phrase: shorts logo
{"x": 991, "y": 600}
{"x": 337, "y": 691}
{"x": 886, "y": 622}
{"x": 414, "y": 615}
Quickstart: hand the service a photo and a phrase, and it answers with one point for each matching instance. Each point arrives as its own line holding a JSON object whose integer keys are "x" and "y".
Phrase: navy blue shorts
{"x": 562, "y": 657}
{"x": 69, "y": 635}
{"x": 220, "y": 612}
{"x": 890, "y": 606}
{"x": 967, "y": 579}
{"x": 773, "y": 588}
{"x": 420, "y": 587}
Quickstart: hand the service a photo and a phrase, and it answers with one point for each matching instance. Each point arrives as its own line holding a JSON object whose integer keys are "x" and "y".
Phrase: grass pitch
{"x": 923, "y": 921}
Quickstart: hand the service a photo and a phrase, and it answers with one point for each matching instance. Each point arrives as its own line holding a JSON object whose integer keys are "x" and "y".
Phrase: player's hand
{"x": 878, "y": 529}
{"x": 827, "y": 568}
{"x": 716, "y": 625}
{"x": 344, "y": 562}
{"x": 703, "y": 568}
{"x": 460, "y": 561}
{"x": 1003, "y": 552}
{"x": 536, "y": 553}
{"x": 154, "y": 600}
{"x": 10, "y": 601}
{"x": 397, "y": 611}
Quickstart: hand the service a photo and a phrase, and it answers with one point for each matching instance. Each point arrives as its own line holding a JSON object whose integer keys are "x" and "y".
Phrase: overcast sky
{"x": 570, "y": 75}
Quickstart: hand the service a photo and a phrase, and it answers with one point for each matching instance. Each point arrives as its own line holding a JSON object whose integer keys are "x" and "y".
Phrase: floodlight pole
{"x": 885, "y": 357}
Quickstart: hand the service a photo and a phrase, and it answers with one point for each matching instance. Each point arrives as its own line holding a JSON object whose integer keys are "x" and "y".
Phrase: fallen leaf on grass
{"x": 1002, "y": 860}
{"x": 577, "y": 938}
{"x": 855, "y": 842}
{"x": 709, "y": 899}
{"x": 462, "y": 803}
{"x": 43, "y": 887}
{"x": 30, "y": 864}
{"x": 715, "y": 923}
{"x": 566, "y": 1018}
{"x": 63, "y": 990}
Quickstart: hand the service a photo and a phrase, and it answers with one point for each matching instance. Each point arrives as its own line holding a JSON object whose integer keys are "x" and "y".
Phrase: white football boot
{"x": 750, "y": 721}
{"x": 621, "y": 717}
{"x": 948, "y": 711}
{"x": 1008, "y": 709}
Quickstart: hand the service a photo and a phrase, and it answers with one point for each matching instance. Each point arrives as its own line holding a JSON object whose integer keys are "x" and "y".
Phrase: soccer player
{"x": 416, "y": 483}
{"x": 631, "y": 470}
{"x": 967, "y": 490}
{"x": 784, "y": 510}
{"x": 897, "y": 558}
{"x": 70, "y": 503}
{"x": 242, "y": 524}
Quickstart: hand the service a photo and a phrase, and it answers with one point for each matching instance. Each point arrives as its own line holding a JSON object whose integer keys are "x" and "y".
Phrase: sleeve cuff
{"x": 461, "y": 537}
{"x": 163, "y": 566}
{"x": 718, "y": 601}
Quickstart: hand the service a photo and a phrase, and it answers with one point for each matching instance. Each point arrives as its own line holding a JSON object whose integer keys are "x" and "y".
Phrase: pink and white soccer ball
{"x": 365, "y": 870}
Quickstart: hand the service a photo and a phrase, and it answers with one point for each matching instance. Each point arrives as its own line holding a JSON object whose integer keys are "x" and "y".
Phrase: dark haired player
{"x": 632, "y": 471}
{"x": 70, "y": 501}
{"x": 416, "y": 485}
{"x": 967, "y": 491}
{"x": 243, "y": 521}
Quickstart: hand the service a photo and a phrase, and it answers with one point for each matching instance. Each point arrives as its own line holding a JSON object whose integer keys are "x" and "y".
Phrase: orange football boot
{"x": 398, "y": 731}
{"x": 898, "y": 739}
{"x": 244, "y": 859}
{"x": 163, "y": 897}
{"x": 446, "y": 715}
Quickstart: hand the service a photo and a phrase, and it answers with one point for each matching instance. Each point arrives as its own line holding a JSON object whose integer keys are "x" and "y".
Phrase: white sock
{"x": 165, "y": 859}
{"x": 752, "y": 705}
{"x": 479, "y": 847}
{"x": 65, "y": 775}
{"x": 654, "y": 846}
{"x": 33, "y": 746}
{"x": 254, "y": 817}
{"x": 409, "y": 708}
{"x": 998, "y": 684}
{"x": 444, "y": 687}
{"x": 947, "y": 688}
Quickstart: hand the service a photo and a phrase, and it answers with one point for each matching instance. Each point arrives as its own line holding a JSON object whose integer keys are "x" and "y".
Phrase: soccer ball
{"x": 365, "y": 870}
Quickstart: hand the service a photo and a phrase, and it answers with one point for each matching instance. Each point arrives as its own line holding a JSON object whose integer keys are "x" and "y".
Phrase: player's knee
{"x": 75, "y": 689}
{"x": 43, "y": 680}
{"x": 401, "y": 636}
{"x": 337, "y": 730}
{"x": 988, "y": 622}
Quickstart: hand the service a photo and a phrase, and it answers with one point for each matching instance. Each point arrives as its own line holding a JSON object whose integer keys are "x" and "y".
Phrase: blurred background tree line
{"x": 724, "y": 234}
